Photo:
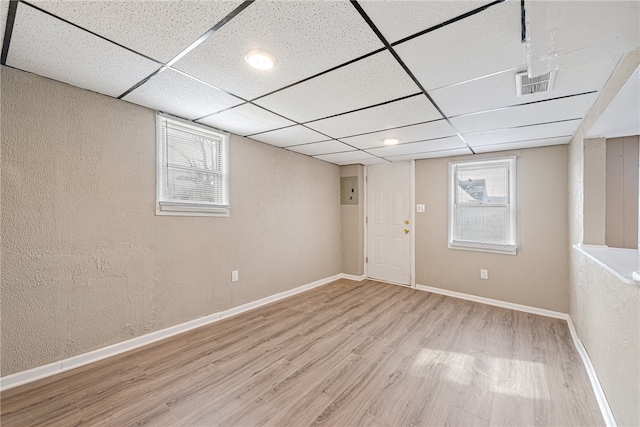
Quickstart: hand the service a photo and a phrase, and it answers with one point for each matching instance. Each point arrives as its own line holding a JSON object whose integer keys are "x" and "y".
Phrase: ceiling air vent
{"x": 526, "y": 85}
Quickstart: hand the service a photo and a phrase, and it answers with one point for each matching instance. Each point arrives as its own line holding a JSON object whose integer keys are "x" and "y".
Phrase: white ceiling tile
{"x": 570, "y": 32}
{"x": 367, "y": 162}
{"x": 4, "y": 11}
{"x": 399, "y": 19}
{"x": 346, "y": 157}
{"x": 431, "y": 155}
{"x": 317, "y": 148}
{"x": 374, "y": 161}
{"x": 246, "y": 119}
{"x": 449, "y": 143}
{"x": 525, "y": 133}
{"x": 306, "y": 38}
{"x": 178, "y": 94}
{"x": 373, "y": 80}
{"x": 622, "y": 115}
{"x": 476, "y": 46}
{"x": 499, "y": 90}
{"x": 413, "y": 133}
{"x": 159, "y": 29}
{"x": 522, "y": 144}
{"x": 574, "y": 107}
{"x": 293, "y": 135}
{"x": 408, "y": 111}
{"x": 47, "y": 46}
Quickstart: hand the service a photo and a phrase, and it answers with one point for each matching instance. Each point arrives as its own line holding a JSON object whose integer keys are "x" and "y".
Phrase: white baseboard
{"x": 603, "y": 404}
{"x": 495, "y": 302}
{"x": 352, "y": 277}
{"x": 19, "y": 378}
{"x": 44, "y": 371}
{"x": 605, "y": 409}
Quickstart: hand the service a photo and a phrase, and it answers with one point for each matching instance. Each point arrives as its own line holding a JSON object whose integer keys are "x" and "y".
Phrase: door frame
{"x": 412, "y": 218}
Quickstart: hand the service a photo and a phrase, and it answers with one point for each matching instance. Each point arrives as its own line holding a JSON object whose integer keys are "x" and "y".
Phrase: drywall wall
{"x": 604, "y": 309}
{"x": 607, "y": 319}
{"x": 538, "y": 275}
{"x": 622, "y": 193}
{"x": 86, "y": 262}
{"x": 353, "y": 226}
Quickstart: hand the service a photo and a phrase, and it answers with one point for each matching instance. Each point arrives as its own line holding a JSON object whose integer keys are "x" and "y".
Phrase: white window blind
{"x": 193, "y": 176}
{"x": 482, "y": 205}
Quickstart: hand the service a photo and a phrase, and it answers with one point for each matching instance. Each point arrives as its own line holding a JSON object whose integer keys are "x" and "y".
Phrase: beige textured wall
{"x": 576, "y": 193}
{"x": 603, "y": 309}
{"x": 538, "y": 275}
{"x": 87, "y": 263}
{"x": 353, "y": 226}
{"x": 606, "y": 314}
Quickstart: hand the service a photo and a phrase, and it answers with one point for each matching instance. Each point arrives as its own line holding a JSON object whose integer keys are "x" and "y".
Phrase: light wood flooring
{"x": 344, "y": 354}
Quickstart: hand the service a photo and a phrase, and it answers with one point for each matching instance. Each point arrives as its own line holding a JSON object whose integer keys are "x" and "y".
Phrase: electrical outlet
{"x": 234, "y": 276}
{"x": 484, "y": 274}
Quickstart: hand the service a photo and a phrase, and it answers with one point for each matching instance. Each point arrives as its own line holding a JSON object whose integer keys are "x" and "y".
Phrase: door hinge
{"x": 366, "y": 220}
{"x": 366, "y": 260}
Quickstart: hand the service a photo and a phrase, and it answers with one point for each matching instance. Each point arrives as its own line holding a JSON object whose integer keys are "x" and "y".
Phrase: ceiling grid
{"x": 437, "y": 76}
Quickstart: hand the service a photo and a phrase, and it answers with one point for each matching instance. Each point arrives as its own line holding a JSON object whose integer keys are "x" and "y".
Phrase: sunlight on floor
{"x": 516, "y": 377}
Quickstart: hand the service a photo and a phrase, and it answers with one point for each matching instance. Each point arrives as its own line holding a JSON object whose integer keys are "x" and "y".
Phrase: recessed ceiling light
{"x": 390, "y": 141}
{"x": 260, "y": 59}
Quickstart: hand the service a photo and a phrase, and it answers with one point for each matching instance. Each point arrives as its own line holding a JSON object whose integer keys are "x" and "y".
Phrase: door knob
{"x": 406, "y": 231}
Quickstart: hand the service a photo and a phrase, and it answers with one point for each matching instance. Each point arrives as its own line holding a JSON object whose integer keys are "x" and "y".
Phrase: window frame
{"x": 510, "y": 246}
{"x": 189, "y": 208}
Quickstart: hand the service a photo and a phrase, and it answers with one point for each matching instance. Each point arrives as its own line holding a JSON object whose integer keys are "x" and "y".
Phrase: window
{"x": 193, "y": 169}
{"x": 482, "y": 211}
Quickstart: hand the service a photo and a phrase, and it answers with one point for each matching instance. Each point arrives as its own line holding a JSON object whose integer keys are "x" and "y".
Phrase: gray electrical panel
{"x": 349, "y": 190}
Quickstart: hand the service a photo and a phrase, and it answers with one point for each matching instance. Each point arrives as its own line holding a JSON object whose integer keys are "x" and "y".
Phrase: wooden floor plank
{"x": 347, "y": 353}
{"x": 355, "y": 399}
{"x": 457, "y": 418}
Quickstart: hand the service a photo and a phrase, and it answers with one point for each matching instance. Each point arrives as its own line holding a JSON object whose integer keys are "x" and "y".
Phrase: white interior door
{"x": 388, "y": 222}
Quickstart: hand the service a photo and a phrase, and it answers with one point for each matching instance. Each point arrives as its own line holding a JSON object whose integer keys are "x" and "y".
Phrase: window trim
{"x": 506, "y": 249}
{"x": 187, "y": 208}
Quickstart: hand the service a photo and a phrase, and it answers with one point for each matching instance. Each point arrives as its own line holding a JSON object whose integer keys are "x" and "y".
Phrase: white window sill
{"x": 190, "y": 209}
{"x": 214, "y": 214}
{"x": 623, "y": 263}
{"x": 479, "y": 247}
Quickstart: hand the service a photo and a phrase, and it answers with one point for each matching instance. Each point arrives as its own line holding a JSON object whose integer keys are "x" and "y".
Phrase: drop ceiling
{"x": 439, "y": 76}
{"x": 622, "y": 116}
